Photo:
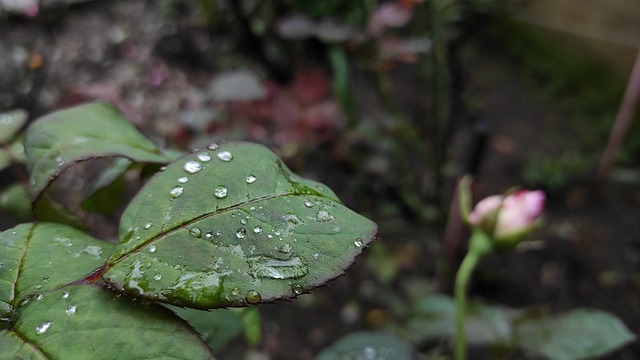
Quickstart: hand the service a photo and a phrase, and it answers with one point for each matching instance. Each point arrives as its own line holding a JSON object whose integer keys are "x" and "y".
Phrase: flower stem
{"x": 479, "y": 245}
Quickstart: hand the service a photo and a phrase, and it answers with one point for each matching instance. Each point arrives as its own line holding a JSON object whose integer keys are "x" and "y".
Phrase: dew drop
{"x": 192, "y": 166}
{"x": 71, "y": 310}
{"x": 209, "y": 234}
{"x": 308, "y": 204}
{"x": 225, "y": 155}
{"x": 148, "y": 225}
{"x": 221, "y": 192}
{"x": 65, "y": 295}
{"x": 241, "y": 233}
{"x": 243, "y": 221}
{"x": 297, "y": 289}
{"x": 235, "y": 291}
{"x": 45, "y": 278}
{"x": 40, "y": 297}
{"x": 195, "y": 232}
{"x": 157, "y": 277}
{"x": 286, "y": 248}
{"x": 250, "y": 179}
{"x": 183, "y": 180}
{"x": 203, "y": 156}
{"x": 324, "y": 215}
{"x": 369, "y": 353}
{"x": 358, "y": 242}
{"x": 213, "y": 146}
{"x": 257, "y": 229}
{"x": 253, "y": 297}
{"x": 152, "y": 249}
{"x": 42, "y": 328}
{"x": 316, "y": 256}
{"x": 176, "y": 191}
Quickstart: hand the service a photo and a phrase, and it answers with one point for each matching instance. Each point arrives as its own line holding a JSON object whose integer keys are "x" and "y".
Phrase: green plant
{"x": 226, "y": 226}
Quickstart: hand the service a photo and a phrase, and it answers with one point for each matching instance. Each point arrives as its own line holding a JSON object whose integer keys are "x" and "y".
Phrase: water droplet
{"x": 241, "y": 233}
{"x": 163, "y": 168}
{"x": 324, "y": 215}
{"x": 253, "y": 208}
{"x": 358, "y": 242}
{"x": 225, "y": 155}
{"x": 369, "y": 353}
{"x": 220, "y": 192}
{"x": 243, "y": 221}
{"x": 40, "y": 297}
{"x": 213, "y": 146}
{"x": 267, "y": 267}
{"x": 308, "y": 204}
{"x": 183, "y": 180}
{"x": 152, "y": 249}
{"x": 270, "y": 236}
{"x": 297, "y": 289}
{"x": 203, "y": 156}
{"x": 45, "y": 278}
{"x": 286, "y": 248}
{"x": 148, "y": 225}
{"x": 253, "y": 297}
{"x": 209, "y": 234}
{"x": 176, "y": 191}
{"x": 195, "y": 232}
{"x": 65, "y": 295}
{"x": 257, "y": 229}
{"x": 42, "y": 328}
{"x": 71, "y": 310}
{"x": 59, "y": 160}
{"x": 250, "y": 179}
{"x": 316, "y": 256}
{"x": 235, "y": 291}
{"x": 192, "y": 166}
{"x": 157, "y": 277}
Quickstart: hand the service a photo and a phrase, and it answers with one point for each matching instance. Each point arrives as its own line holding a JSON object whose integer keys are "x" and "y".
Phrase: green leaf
{"x": 217, "y": 327}
{"x": 434, "y": 317}
{"x": 63, "y": 138}
{"x": 252, "y": 326}
{"x": 91, "y": 322}
{"x": 10, "y": 124}
{"x": 108, "y": 191}
{"x": 579, "y": 334}
{"x": 368, "y": 345}
{"x": 232, "y": 226}
{"x": 15, "y": 200}
{"x": 35, "y": 258}
{"x": 46, "y": 209}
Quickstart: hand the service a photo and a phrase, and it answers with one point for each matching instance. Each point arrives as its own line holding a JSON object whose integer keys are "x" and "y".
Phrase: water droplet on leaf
{"x": 192, "y": 166}
{"x": 225, "y": 155}
{"x": 71, "y": 310}
{"x": 286, "y": 248}
{"x": 241, "y": 233}
{"x": 324, "y": 215}
{"x": 157, "y": 276}
{"x": 176, "y": 191}
{"x": 243, "y": 221}
{"x": 213, "y": 146}
{"x": 369, "y": 353}
{"x": 148, "y": 225}
{"x": 235, "y": 291}
{"x": 183, "y": 180}
{"x": 152, "y": 249}
{"x": 257, "y": 229}
{"x": 297, "y": 289}
{"x": 267, "y": 267}
{"x": 308, "y": 204}
{"x": 220, "y": 192}
{"x": 65, "y": 295}
{"x": 203, "y": 156}
{"x": 253, "y": 297}
{"x": 250, "y": 179}
{"x": 42, "y": 328}
{"x": 40, "y": 297}
{"x": 358, "y": 242}
{"x": 196, "y": 232}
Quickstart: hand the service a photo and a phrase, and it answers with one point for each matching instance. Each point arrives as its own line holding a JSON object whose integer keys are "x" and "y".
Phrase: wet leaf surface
{"x": 63, "y": 138}
{"x": 368, "y": 345}
{"x": 91, "y": 322}
{"x": 231, "y": 225}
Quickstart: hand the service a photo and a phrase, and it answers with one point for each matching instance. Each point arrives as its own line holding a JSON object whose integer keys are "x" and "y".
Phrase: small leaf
{"x": 10, "y": 124}
{"x": 35, "y": 258}
{"x": 368, "y": 345}
{"x": 232, "y": 226}
{"x": 90, "y": 322}
{"x": 579, "y": 334}
{"x": 14, "y": 200}
{"x": 63, "y": 138}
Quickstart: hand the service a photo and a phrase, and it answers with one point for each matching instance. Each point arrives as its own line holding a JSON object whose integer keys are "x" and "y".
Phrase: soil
{"x": 153, "y": 68}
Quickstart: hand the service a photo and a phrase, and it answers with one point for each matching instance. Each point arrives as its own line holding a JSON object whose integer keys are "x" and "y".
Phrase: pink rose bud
{"x": 509, "y": 217}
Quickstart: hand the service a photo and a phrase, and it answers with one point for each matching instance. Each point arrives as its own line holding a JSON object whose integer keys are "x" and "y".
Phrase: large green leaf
{"x": 217, "y": 327}
{"x": 232, "y": 225}
{"x": 91, "y": 322}
{"x": 366, "y": 346}
{"x": 35, "y": 258}
{"x": 579, "y": 334}
{"x": 63, "y": 138}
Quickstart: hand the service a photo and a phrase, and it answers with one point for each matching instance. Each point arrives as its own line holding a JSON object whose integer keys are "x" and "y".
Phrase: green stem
{"x": 479, "y": 245}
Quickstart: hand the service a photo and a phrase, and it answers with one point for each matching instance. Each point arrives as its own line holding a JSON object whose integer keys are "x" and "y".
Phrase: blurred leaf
{"x": 48, "y": 210}
{"x": 61, "y": 139}
{"x": 579, "y": 334}
{"x": 252, "y": 325}
{"x": 15, "y": 200}
{"x": 107, "y": 193}
{"x": 10, "y": 123}
{"x": 5, "y": 158}
{"x": 368, "y": 345}
{"x": 217, "y": 327}
{"x": 230, "y": 226}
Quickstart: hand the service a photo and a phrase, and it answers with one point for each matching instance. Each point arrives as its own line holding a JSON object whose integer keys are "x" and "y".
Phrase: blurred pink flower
{"x": 509, "y": 216}
{"x": 390, "y": 14}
